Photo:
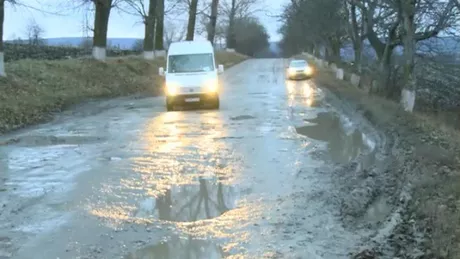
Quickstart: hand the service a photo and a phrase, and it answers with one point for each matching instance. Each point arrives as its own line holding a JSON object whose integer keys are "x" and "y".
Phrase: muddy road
{"x": 126, "y": 179}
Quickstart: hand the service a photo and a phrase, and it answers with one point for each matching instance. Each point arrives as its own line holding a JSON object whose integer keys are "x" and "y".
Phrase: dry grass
{"x": 436, "y": 185}
{"x": 36, "y": 88}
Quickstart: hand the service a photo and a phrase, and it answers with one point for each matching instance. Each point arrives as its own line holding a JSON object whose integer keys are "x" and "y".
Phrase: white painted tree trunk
{"x": 149, "y": 55}
{"x": 2, "y": 64}
{"x": 99, "y": 53}
{"x": 339, "y": 73}
{"x": 408, "y": 100}
{"x": 160, "y": 53}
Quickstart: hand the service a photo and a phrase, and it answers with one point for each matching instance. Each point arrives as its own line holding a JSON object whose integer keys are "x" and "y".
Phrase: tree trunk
{"x": 357, "y": 48}
{"x": 335, "y": 50}
{"x": 213, "y": 21}
{"x": 149, "y": 34}
{"x": 384, "y": 53}
{"x": 101, "y": 22}
{"x": 385, "y": 72}
{"x": 357, "y": 40}
{"x": 191, "y": 20}
{"x": 159, "y": 31}
{"x": 410, "y": 83}
{"x": 2, "y": 58}
{"x": 231, "y": 40}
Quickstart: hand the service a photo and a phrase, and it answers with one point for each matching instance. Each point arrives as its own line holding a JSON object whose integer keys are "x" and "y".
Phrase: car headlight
{"x": 212, "y": 86}
{"x": 291, "y": 71}
{"x": 308, "y": 70}
{"x": 171, "y": 89}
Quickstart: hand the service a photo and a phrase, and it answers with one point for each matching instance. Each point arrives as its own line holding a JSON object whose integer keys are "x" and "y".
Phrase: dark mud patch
{"x": 177, "y": 247}
{"x": 342, "y": 147}
{"x": 242, "y": 117}
{"x": 207, "y": 199}
{"x": 34, "y": 141}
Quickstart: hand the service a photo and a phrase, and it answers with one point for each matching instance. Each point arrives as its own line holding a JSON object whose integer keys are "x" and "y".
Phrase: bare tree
{"x": 159, "y": 30}
{"x": 356, "y": 31}
{"x": 386, "y": 24}
{"x": 102, "y": 9}
{"x": 137, "y": 7}
{"x": 2, "y": 18}
{"x": 2, "y": 57}
{"x": 213, "y": 21}
{"x": 173, "y": 35}
{"x": 35, "y": 33}
{"x": 233, "y": 9}
{"x": 191, "y": 20}
{"x": 251, "y": 36}
{"x": 101, "y": 22}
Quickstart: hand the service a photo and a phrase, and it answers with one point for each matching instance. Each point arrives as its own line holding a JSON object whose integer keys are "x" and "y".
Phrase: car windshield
{"x": 298, "y": 64}
{"x": 190, "y": 63}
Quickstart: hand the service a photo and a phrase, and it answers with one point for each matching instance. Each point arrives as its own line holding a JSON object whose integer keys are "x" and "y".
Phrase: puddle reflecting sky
{"x": 327, "y": 127}
{"x": 304, "y": 91}
{"x": 179, "y": 248}
{"x": 180, "y": 170}
{"x": 204, "y": 200}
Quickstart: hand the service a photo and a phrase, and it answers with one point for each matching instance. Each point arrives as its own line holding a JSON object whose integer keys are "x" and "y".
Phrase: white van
{"x": 191, "y": 75}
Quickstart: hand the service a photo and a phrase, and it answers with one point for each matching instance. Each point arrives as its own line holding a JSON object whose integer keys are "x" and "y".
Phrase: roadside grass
{"x": 435, "y": 146}
{"x": 35, "y": 89}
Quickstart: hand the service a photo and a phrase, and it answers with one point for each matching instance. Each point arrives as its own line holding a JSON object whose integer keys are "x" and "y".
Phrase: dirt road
{"x": 126, "y": 179}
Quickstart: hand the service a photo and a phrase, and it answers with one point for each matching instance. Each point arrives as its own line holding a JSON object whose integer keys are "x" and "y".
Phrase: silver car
{"x": 299, "y": 69}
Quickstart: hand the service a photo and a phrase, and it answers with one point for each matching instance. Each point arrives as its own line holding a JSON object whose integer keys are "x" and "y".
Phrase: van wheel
{"x": 216, "y": 103}
{"x": 169, "y": 105}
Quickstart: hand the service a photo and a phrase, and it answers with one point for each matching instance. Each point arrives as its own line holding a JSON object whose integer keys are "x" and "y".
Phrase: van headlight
{"x": 212, "y": 86}
{"x": 171, "y": 89}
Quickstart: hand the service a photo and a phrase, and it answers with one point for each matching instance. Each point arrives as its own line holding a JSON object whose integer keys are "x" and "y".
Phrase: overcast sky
{"x": 121, "y": 24}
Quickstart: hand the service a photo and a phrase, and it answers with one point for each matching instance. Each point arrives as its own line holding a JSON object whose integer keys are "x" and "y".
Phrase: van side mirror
{"x": 220, "y": 69}
{"x": 161, "y": 71}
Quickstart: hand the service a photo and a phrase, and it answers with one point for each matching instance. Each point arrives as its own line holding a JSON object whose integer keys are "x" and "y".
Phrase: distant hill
{"x": 122, "y": 43}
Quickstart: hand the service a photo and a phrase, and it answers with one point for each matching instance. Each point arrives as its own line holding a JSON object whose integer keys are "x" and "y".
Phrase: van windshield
{"x": 191, "y": 63}
{"x": 298, "y": 64}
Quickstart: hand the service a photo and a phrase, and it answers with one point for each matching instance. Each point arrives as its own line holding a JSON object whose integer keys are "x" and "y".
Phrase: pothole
{"x": 343, "y": 144}
{"x": 176, "y": 248}
{"x": 34, "y": 141}
{"x": 208, "y": 198}
{"x": 378, "y": 211}
{"x": 242, "y": 117}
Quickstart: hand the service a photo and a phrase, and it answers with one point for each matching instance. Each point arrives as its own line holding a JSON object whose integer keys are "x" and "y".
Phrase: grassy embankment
{"x": 433, "y": 146}
{"x": 34, "y": 89}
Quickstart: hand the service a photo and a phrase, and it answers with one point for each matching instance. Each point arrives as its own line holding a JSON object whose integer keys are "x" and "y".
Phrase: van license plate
{"x": 191, "y": 100}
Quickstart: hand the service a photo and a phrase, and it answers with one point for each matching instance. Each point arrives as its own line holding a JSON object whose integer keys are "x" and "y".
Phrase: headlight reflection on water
{"x": 301, "y": 90}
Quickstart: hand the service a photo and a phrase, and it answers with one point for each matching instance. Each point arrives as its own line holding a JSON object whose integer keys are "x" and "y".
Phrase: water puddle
{"x": 179, "y": 248}
{"x": 242, "y": 117}
{"x": 378, "y": 211}
{"x": 206, "y": 199}
{"x": 343, "y": 145}
{"x": 36, "y": 141}
{"x": 304, "y": 93}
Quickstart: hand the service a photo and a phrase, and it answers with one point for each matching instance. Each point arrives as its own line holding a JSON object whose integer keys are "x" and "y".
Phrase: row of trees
{"x": 231, "y": 19}
{"x": 324, "y": 27}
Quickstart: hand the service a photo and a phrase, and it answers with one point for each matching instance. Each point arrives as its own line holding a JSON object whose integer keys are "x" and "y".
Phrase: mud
{"x": 282, "y": 170}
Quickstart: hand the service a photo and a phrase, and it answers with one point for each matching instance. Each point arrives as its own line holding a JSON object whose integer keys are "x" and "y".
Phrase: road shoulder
{"x": 420, "y": 177}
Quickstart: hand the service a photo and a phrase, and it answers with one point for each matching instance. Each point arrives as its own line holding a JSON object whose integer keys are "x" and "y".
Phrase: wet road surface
{"x": 126, "y": 179}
